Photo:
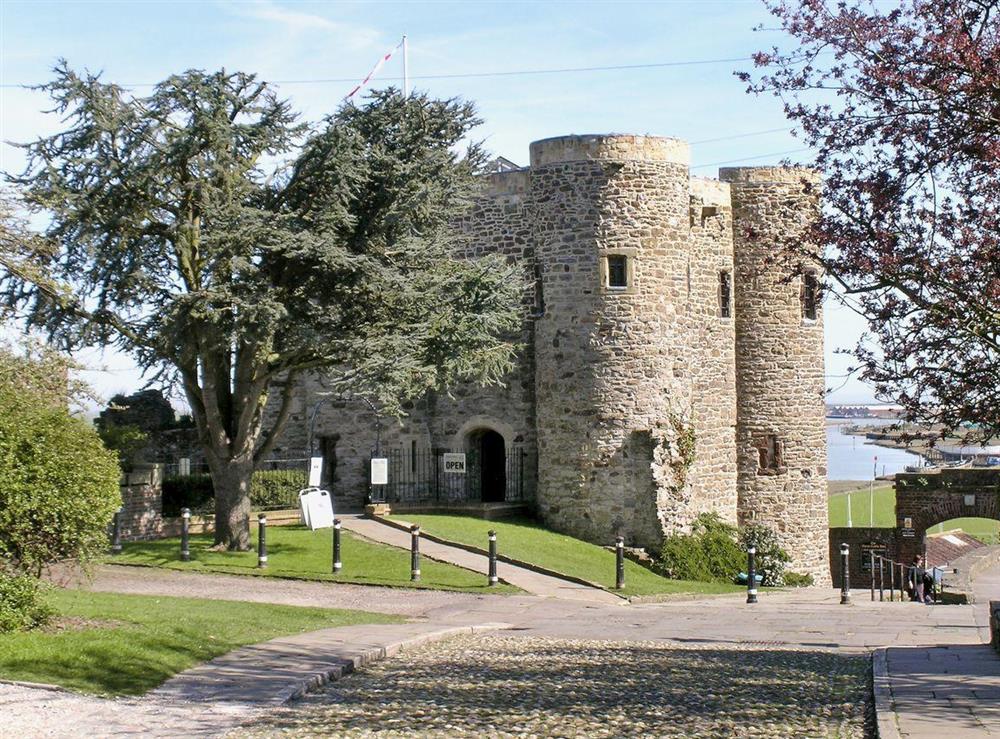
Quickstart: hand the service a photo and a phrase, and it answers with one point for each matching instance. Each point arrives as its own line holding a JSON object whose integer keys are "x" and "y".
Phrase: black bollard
{"x": 881, "y": 578}
{"x": 845, "y": 587}
{"x": 619, "y": 563}
{"x": 116, "y": 533}
{"x": 336, "y": 546}
{"x": 493, "y": 558}
{"x": 261, "y": 540}
{"x": 871, "y": 572}
{"x": 751, "y": 574}
{"x": 414, "y": 553}
{"x": 892, "y": 581}
{"x": 185, "y": 534}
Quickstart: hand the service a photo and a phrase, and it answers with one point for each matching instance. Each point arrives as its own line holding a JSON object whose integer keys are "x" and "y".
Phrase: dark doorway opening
{"x": 493, "y": 467}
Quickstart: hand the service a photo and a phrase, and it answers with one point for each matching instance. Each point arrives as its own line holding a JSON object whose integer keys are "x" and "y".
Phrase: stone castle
{"x": 671, "y": 366}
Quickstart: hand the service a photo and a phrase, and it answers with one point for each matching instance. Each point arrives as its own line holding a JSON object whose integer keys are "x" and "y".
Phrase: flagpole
{"x": 406, "y": 67}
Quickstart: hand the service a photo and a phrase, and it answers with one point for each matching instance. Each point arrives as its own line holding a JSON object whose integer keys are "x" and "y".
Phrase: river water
{"x": 853, "y": 457}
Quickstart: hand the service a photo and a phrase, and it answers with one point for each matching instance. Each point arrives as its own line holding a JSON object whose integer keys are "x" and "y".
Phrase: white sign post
{"x": 454, "y": 462}
{"x": 315, "y": 471}
{"x": 380, "y": 471}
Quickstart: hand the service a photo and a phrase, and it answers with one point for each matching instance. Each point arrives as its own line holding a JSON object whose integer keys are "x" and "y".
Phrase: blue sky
{"x": 137, "y": 43}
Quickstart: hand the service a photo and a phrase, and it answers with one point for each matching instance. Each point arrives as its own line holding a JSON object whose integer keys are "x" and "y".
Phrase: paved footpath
{"x": 945, "y": 689}
{"x": 528, "y": 580}
{"x": 806, "y": 619}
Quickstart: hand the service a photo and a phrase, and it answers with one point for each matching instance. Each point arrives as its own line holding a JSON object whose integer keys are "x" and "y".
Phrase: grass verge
{"x": 298, "y": 553}
{"x": 113, "y": 644}
{"x": 861, "y": 508}
{"x": 528, "y": 541}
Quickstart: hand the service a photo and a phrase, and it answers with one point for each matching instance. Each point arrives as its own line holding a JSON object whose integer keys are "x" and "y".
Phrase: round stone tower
{"x": 611, "y": 230}
{"x": 780, "y": 383}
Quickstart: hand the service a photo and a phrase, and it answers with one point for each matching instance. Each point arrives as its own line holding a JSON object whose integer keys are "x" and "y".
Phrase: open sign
{"x": 454, "y": 462}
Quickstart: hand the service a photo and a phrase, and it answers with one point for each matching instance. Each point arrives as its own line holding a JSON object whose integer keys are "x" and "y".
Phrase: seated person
{"x": 919, "y": 582}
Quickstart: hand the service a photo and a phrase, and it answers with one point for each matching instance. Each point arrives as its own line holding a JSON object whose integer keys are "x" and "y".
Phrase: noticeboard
{"x": 867, "y": 550}
{"x": 380, "y": 471}
{"x": 315, "y": 471}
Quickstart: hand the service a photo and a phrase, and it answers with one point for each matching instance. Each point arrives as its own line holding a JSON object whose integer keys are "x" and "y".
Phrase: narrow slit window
{"x": 810, "y": 295}
{"x": 617, "y": 270}
{"x": 539, "y": 295}
{"x": 725, "y": 295}
{"x": 413, "y": 455}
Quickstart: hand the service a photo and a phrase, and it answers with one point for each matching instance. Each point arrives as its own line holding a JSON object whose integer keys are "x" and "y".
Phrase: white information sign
{"x": 316, "y": 507}
{"x": 315, "y": 471}
{"x": 454, "y": 462}
{"x": 184, "y": 466}
{"x": 380, "y": 471}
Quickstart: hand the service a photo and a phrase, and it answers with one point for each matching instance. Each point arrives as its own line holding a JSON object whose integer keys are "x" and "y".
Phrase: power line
{"x": 747, "y": 159}
{"x": 470, "y": 75}
{"x": 740, "y": 136}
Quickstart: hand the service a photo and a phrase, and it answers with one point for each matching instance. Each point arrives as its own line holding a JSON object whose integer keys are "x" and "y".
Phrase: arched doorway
{"x": 489, "y": 447}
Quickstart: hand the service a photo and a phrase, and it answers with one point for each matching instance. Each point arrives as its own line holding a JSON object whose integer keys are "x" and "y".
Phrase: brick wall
{"x": 860, "y": 540}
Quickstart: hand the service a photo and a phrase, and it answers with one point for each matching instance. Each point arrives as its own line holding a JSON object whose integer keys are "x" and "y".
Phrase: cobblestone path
{"x": 504, "y": 685}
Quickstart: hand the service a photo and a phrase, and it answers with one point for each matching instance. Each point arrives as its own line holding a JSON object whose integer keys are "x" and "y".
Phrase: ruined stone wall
{"x": 613, "y": 388}
{"x": 779, "y": 367}
{"x": 712, "y": 342}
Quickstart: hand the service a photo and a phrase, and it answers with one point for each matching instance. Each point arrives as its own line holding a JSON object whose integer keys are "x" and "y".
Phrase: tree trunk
{"x": 231, "y": 480}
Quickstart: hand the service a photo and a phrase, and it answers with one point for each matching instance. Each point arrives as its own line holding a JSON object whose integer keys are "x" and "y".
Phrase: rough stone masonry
{"x": 673, "y": 362}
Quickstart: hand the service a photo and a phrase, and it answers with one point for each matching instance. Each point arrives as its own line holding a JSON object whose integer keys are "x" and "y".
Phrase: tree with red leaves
{"x": 903, "y": 106}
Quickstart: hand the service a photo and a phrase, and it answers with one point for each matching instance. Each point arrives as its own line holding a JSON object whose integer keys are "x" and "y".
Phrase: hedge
{"x": 269, "y": 489}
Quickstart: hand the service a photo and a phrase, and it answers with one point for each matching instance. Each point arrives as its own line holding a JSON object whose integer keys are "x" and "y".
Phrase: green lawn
{"x": 861, "y": 505}
{"x": 297, "y": 552}
{"x": 128, "y": 644}
{"x": 526, "y": 540}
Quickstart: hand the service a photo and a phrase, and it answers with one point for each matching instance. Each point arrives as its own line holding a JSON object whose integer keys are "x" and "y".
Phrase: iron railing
{"x": 419, "y": 477}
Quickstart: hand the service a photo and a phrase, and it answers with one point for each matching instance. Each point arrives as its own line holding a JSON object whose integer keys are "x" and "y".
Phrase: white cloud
{"x": 296, "y": 23}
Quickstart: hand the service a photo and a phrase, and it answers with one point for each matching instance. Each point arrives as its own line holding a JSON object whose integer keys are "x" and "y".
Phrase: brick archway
{"x": 927, "y": 499}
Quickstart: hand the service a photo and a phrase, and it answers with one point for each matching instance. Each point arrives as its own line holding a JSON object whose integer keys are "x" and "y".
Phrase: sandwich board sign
{"x": 380, "y": 471}
{"x": 315, "y": 471}
{"x": 316, "y": 507}
{"x": 454, "y": 462}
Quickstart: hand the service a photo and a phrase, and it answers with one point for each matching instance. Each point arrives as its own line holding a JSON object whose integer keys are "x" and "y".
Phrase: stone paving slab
{"x": 943, "y": 690}
{"x": 532, "y": 582}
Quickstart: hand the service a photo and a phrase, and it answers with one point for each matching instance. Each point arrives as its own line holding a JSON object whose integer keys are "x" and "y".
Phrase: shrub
{"x": 277, "y": 488}
{"x": 268, "y": 489}
{"x": 21, "y": 604}
{"x": 798, "y": 580}
{"x": 708, "y": 553}
{"x": 771, "y": 558}
{"x": 59, "y": 486}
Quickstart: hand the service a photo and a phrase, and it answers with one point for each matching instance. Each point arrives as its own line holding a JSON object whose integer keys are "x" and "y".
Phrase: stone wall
{"x": 142, "y": 503}
{"x": 613, "y": 384}
{"x": 712, "y": 347}
{"x": 780, "y": 381}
